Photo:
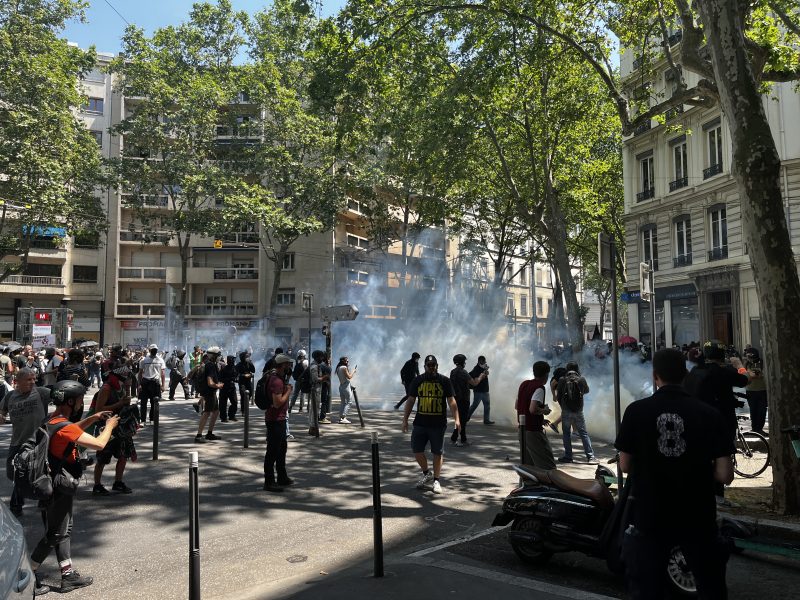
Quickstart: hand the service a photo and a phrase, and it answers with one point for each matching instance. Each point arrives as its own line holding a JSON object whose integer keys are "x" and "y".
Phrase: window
{"x": 510, "y": 272}
{"x": 357, "y": 277}
{"x": 647, "y": 183}
{"x": 523, "y": 276}
{"x": 94, "y": 105}
{"x": 718, "y": 233}
{"x": 355, "y": 241}
{"x": 288, "y": 262}
{"x": 650, "y": 246}
{"x": 538, "y": 276}
{"x": 510, "y": 306}
{"x": 84, "y": 274}
{"x": 683, "y": 242}
{"x": 213, "y": 301}
{"x": 680, "y": 165}
{"x": 539, "y": 307}
{"x": 286, "y": 297}
{"x": 98, "y": 137}
{"x": 354, "y": 205}
{"x": 714, "y": 148}
{"x": 39, "y": 270}
{"x": 523, "y": 305}
{"x": 428, "y": 283}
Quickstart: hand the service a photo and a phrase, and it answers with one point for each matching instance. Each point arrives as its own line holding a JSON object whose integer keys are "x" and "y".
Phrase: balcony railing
{"x": 642, "y": 128}
{"x": 34, "y": 280}
{"x": 235, "y": 274}
{"x": 241, "y": 237}
{"x": 146, "y": 238}
{"x": 712, "y": 170}
{"x": 221, "y": 310}
{"x": 47, "y": 244}
{"x": 683, "y": 260}
{"x": 646, "y": 194}
{"x": 718, "y": 253}
{"x": 159, "y": 273}
{"x": 678, "y": 184}
{"x": 140, "y": 310}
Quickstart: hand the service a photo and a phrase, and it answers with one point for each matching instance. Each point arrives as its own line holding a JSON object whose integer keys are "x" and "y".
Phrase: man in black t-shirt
{"x": 462, "y": 381}
{"x": 408, "y": 373}
{"x": 435, "y": 393}
{"x": 674, "y": 448}
{"x": 480, "y": 393}
{"x": 209, "y": 395}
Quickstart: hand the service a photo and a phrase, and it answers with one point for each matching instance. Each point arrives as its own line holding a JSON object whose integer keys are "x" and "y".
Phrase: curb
{"x": 766, "y": 527}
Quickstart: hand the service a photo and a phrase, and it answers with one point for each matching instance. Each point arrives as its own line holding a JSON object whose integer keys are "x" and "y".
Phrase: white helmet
{"x": 301, "y": 354}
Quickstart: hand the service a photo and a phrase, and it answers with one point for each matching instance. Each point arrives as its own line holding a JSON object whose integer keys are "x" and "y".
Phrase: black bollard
{"x": 377, "y": 515}
{"x": 358, "y": 406}
{"x": 246, "y": 410}
{"x": 523, "y": 458}
{"x": 155, "y": 428}
{"x": 194, "y": 530}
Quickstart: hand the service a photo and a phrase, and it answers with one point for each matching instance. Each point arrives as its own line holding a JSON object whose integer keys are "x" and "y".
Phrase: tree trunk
{"x": 756, "y": 166}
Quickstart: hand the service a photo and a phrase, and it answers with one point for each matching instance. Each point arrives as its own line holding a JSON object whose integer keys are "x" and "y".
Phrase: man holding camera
{"x": 279, "y": 391}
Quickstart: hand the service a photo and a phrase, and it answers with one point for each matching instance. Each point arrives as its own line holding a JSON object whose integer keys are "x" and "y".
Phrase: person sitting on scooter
{"x": 675, "y": 449}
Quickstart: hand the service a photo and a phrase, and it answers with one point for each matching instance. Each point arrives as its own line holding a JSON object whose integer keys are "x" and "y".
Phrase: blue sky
{"x": 104, "y": 28}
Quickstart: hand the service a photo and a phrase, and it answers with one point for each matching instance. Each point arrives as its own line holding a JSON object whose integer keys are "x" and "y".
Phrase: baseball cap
{"x": 153, "y": 347}
{"x": 431, "y": 359}
{"x": 214, "y": 350}
{"x": 282, "y": 358}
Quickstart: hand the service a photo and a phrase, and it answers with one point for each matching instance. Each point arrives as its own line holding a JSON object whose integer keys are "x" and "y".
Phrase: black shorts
{"x": 113, "y": 448}
{"x": 421, "y": 436}
{"x": 210, "y": 402}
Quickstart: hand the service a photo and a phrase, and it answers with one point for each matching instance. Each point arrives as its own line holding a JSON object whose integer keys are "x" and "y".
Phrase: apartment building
{"x": 683, "y": 213}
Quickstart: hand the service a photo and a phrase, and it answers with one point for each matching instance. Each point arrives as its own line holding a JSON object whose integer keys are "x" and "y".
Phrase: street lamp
{"x": 148, "y": 328}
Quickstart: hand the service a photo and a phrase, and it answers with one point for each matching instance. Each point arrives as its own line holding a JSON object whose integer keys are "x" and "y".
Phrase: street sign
{"x": 217, "y": 244}
{"x": 604, "y": 254}
{"x": 644, "y": 282}
{"x": 308, "y": 302}
{"x": 344, "y": 312}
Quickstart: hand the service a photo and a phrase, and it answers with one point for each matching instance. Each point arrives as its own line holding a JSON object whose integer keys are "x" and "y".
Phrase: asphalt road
{"x": 260, "y": 545}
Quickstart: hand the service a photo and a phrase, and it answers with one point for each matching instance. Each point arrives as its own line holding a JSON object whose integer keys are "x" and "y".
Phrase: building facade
{"x": 683, "y": 215}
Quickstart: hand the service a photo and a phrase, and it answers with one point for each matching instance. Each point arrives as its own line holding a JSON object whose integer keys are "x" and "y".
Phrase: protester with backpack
{"x": 26, "y": 406}
{"x": 177, "y": 374}
{"x": 276, "y": 392}
{"x": 63, "y": 454}
{"x": 570, "y": 392}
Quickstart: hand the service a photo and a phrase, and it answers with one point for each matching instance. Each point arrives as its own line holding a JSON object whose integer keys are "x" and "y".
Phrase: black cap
{"x": 431, "y": 359}
{"x": 415, "y": 356}
{"x": 459, "y": 359}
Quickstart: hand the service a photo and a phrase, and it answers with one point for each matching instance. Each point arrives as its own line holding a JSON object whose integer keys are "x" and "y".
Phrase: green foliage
{"x": 49, "y": 161}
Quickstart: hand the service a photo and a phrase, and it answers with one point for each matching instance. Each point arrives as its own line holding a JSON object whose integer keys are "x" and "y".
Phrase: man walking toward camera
{"x": 275, "y": 418}
{"x": 151, "y": 381}
{"x": 210, "y": 383}
{"x": 434, "y": 393}
{"x": 480, "y": 392}
{"x": 675, "y": 450}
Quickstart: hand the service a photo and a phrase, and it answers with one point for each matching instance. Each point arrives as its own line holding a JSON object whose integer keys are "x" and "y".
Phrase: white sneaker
{"x": 425, "y": 480}
{"x": 344, "y": 421}
{"x": 437, "y": 488}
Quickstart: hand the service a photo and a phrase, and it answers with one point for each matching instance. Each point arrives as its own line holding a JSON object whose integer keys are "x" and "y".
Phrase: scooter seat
{"x": 588, "y": 488}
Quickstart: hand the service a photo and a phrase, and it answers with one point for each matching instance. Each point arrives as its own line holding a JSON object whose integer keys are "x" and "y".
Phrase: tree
{"x": 179, "y": 86}
{"x": 735, "y": 51}
{"x": 49, "y": 161}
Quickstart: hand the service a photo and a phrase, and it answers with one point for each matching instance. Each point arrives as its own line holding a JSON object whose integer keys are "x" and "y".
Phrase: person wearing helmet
{"x": 227, "y": 394}
{"x": 67, "y": 396}
{"x": 435, "y": 393}
{"x": 208, "y": 391}
{"x": 112, "y": 398}
{"x": 462, "y": 382}
{"x": 177, "y": 374}
{"x": 246, "y": 370}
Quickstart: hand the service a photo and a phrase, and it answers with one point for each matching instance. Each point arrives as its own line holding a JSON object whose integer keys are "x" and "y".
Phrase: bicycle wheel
{"x": 752, "y": 454}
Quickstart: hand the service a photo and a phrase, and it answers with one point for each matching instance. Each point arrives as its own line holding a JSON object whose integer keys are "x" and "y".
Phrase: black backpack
{"x": 571, "y": 396}
{"x": 32, "y": 473}
{"x": 261, "y": 396}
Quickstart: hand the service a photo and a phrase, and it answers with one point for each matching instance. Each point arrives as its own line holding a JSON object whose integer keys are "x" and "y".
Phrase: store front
{"x": 231, "y": 334}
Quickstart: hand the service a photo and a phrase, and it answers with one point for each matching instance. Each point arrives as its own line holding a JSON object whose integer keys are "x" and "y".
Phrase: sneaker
{"x": 590, "y": 458}
{"x": 437, "y": 487}
{"x": 287, "y": 481}
{"x": 39, "y": 588}
{"x": 223, "y": 420}
{"x": 325, "y": 421}
{"x": 344, "y": 421}
{"x": 74, "y": 580}
{"x": 457, "y": 444}
{"x": 199, "y": 439}
{"x": 565, "y": 459}
{"x": 425, "y": 480}
{"x": 488, "y": 422}
{"x": 272, "y": 487}
{"x": 99, "y": 490}
{"x": 554, "y": 427}
{"x": 212, "y": 437}
{"x": 120, "y": 487}
{"x": 290, "y": 437}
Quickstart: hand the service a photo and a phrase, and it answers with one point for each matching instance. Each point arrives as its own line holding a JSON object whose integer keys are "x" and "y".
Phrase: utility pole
{"x": 308, "y": 305}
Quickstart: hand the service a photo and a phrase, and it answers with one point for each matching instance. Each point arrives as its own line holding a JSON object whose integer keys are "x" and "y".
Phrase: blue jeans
{"x": 568, "y": 420}
{"x": 477, "y": 398}
{"x": 346, "y": 396}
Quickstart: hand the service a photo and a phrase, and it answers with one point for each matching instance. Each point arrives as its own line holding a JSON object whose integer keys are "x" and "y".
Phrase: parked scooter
{"x": 552, "y": 511}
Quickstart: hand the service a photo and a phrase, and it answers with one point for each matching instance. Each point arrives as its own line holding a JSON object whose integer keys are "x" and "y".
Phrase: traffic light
{"x": 326, "y": 329}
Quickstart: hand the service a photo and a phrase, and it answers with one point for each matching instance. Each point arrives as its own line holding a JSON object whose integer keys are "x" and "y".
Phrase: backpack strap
{"x": 51, "y": 431}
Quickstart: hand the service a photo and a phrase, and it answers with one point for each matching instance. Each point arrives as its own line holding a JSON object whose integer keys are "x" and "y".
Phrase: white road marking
{"x": 453, "y": 542}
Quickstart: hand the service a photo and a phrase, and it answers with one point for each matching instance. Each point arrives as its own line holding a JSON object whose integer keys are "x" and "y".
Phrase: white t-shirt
{"x": 51, "y": 370}
{"x": 151, "y": 368}
{"x": 341, "y": 372}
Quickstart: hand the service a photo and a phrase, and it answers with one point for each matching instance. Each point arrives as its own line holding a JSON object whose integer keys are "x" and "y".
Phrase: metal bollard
{"x": 194, "y": 530}
{"x": 246, "y": 410}
{"x": 522, "y": 453}
{"x": 358, "y": 406}
{"x": 156, "y": 411}
{"x": 377, "y": 515}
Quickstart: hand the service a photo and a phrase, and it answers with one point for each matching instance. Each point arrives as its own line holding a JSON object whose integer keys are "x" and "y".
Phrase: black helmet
{"x": 66, "y": 390}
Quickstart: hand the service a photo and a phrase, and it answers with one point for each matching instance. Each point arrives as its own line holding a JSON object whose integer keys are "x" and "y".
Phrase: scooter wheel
{"x": 529, "y": 553}
{"x": 679, "y": 574}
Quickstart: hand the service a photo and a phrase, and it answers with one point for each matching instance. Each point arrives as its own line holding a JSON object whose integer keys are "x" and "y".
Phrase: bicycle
{"x": 752, "y": 452}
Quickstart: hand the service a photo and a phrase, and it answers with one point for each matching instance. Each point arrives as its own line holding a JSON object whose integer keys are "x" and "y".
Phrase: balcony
{"x": 646, "y": 194}
{"x": 38, "y": 280}
{"x": 712, "y": 170}
{"x": 140, "y": 310}
{"x": 673, "y": 112}
{"x": 718, "y": 253}
{"x": 144, "y": 238}
{"x": 678, "y": 184}
{"x": 154, "y": 273}
{"x": 235, "y": 273}
{"x": 644, "y": 127}
{"x": 240, "y": 237}
{"x": 683, "y": 260}
{"x": 675, "y": 37}
{"x": 47, "y": 244}
{"x": 221, "y": 310}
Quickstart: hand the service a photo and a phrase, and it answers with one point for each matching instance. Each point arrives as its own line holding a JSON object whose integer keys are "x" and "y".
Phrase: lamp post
{"x": 308, "y": 305}
{"x": 147, "y": 344}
